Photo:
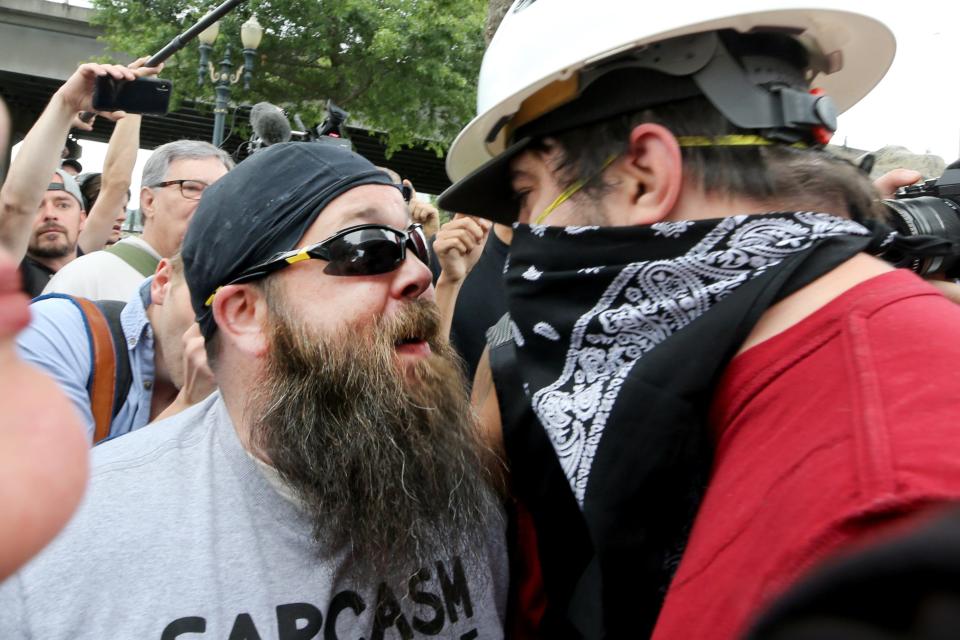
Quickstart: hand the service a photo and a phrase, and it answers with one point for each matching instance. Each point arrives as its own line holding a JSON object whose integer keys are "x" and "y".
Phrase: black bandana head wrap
{"x": 262, "y": 207}
{"x": 621, "y": 335}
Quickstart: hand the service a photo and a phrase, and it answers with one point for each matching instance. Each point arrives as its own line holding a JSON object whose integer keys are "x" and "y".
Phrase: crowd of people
{"x": 656, "y": 377}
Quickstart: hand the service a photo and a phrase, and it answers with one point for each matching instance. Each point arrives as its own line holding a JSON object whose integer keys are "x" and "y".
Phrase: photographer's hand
{"x": 887, "y": 184}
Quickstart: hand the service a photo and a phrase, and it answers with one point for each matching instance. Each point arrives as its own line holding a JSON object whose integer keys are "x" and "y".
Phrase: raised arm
{"x": 39, "y": 155}
{"x": 115, "y": 180}
{"x": 458, "y": 246}
{"x": 114, "y": 183}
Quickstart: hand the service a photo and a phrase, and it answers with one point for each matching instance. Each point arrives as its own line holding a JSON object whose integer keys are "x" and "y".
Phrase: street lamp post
{"x": 251, "y": 33}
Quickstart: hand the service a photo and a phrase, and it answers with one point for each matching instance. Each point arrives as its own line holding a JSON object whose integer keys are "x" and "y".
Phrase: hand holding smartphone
{"x": 151, "y": 95}
{"x": 143, "y": 95}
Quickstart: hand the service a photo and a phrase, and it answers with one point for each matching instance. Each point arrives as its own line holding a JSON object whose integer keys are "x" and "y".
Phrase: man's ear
{"x": 160, "y": 286}
{"x": 241, "y": 314}
{"x": 83, "y": 220}
{"x": 147, "y": 197}
{"x": 653, "y": 171}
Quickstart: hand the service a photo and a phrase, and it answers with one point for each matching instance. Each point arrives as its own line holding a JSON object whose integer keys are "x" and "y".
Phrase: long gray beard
{"x": 387, "y": 463}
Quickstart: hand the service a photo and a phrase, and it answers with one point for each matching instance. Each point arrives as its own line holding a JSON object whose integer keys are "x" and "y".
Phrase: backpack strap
{"x": 110, "y": 375}
{"x": 512, "y": 400}
{"x": 103, "y": 374}
{"x": 136, "y": 257}
{"x": 111, "y": 310}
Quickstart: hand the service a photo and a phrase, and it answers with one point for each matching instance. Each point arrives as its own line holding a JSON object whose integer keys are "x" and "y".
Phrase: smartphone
{"x": 143, "y": 95}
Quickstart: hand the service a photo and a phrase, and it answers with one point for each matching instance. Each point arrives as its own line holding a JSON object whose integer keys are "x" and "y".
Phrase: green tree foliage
{"x": 407, "y": 68}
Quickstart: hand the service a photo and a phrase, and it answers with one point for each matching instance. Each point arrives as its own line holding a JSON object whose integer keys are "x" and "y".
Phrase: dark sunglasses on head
{"x": 363, "y": 250}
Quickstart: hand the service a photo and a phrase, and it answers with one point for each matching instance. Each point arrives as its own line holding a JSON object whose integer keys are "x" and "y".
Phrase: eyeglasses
{"x": 363, "y": 250}
{"x": 189, "y": 189}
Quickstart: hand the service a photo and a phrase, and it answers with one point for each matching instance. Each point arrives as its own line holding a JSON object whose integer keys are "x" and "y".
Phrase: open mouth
{"x": 415, "y": 346}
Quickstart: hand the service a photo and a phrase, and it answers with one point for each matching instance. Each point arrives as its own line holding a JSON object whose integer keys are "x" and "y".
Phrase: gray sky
{"x": 917, "y": 104}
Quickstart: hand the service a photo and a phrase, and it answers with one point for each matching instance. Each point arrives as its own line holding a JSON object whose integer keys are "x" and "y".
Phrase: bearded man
{"x": 56, "y": 230}
{"x": 334, "y": 484}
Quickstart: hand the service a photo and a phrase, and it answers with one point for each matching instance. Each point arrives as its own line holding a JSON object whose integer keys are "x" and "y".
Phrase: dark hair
{"x": 801, "y": 179}
{"x": 211, "y": 345}
{"x": 90, "y": 185}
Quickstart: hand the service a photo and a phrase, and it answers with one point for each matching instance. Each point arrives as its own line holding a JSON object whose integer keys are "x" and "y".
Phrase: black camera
{"x": 330, "y": 131}
{"x": 931, "y": 208}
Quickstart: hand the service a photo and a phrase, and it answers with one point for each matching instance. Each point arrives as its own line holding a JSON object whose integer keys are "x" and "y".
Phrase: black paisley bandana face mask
{"x": 589, "y": 304}
{"x": 621, "y": 335}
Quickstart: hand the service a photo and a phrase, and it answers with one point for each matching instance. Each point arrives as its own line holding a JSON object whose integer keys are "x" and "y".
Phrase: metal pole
{"x": 181, "y": 40}
{"x": 223, "y": 98}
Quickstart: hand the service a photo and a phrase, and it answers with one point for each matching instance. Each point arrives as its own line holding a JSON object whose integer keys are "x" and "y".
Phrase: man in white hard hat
{"x": 704, "y": 357}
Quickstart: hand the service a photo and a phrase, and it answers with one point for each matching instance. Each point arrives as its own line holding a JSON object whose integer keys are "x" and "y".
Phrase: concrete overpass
{"x": 42, "y": 42}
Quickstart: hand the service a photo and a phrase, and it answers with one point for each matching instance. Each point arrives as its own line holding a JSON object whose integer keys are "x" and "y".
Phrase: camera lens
{"x": 926, "y": 215}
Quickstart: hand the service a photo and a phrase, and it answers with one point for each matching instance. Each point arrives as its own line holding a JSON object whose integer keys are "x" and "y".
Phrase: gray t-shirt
{"x": 181, "y": 536}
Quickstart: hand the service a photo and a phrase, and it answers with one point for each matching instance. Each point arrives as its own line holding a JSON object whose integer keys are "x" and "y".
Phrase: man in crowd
{"x": 43, "y": 458}
{"x": 174, "y": 178}
{"x": 469, "y": 255}
{"x": 55, "y": 234}
{"x": 168, "y": 372}
{"x": 43, "y": 465}
{"x": 42, "y": 217}
{"x": 71, "y": 166}
{"x": 676, "y": 348}
{"x": 421, "y": 212}
{"x": 335, "y": 482}
{"x": 91, "y": 186}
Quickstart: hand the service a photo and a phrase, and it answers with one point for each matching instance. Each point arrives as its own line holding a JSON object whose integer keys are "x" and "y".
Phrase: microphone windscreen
{"x": 269, "y": 124}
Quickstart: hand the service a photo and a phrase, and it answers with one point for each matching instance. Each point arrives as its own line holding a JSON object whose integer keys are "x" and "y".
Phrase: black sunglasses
{"x": 363, "y": 250}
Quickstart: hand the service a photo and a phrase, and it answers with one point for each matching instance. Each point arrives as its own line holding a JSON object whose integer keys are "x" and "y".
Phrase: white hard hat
{"x": 543, "y": 47}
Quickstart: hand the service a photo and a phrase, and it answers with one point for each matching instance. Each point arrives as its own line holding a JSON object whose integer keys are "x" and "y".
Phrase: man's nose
{"x": 48, "y": 211}
{"x": 412, "y": 279}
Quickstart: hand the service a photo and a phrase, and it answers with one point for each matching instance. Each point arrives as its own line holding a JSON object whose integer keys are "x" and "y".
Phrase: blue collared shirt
{"x": 56, "y": 341}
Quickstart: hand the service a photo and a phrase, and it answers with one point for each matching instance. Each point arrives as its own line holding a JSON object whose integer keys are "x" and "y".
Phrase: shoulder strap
{"x": 103, "y": 374}
{"x": 511, "y": 397}
{"x": 136, "y": 257}
{"x": 111, "y": 310}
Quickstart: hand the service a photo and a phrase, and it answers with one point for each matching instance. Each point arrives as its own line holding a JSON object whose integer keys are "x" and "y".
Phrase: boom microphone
{"x": 269, "y": 124}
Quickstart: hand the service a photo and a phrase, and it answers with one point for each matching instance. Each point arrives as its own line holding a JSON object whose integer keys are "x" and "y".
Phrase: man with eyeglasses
{"x": 334, "y": 485}
{"x": 173, "y": 181}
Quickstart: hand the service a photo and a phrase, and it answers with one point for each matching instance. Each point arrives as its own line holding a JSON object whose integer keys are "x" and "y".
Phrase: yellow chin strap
{"x": 733, "y": 141}
{"x": 572, "y": 189}
{"x": 684, "y": 142}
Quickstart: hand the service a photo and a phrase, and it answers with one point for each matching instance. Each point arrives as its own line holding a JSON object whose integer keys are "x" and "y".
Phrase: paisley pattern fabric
{"x": 638, "y": 305}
